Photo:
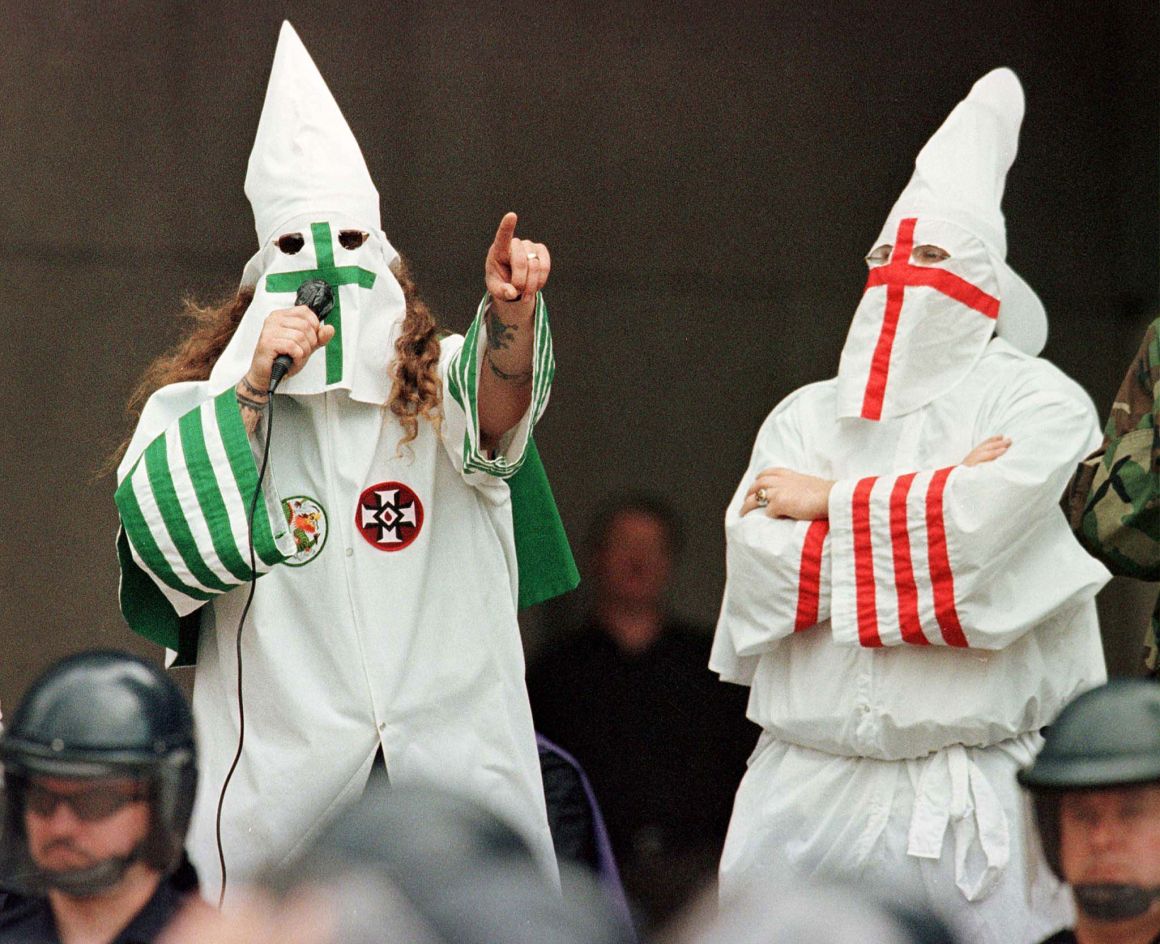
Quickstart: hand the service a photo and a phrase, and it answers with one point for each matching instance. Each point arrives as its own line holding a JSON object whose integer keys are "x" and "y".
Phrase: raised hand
{"x": 516, "y": 269}
{"x": 296, "y": 332}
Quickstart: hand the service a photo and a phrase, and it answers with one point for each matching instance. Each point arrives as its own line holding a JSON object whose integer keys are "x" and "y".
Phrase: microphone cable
{"x": 238, "y": 642}
{"x": 318, "y": 296}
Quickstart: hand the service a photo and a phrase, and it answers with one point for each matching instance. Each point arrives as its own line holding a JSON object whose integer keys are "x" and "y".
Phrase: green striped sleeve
{"x": 236, "y": 444}
{"x": 184, "y": 508}
{"x": 463, "y": 373}
{"x": 173, "y": 515}
{"x": 209, "y": 495}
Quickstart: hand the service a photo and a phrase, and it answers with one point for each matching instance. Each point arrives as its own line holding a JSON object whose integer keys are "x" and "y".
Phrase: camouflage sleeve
{"x": 1113, "y": 500}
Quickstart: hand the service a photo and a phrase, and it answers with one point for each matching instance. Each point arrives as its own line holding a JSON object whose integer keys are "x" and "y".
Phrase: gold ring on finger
{"x": 761, "y": 498}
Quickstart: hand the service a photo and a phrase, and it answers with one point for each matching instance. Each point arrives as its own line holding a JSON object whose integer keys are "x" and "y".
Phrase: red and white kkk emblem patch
{"x": 389, "y": 515}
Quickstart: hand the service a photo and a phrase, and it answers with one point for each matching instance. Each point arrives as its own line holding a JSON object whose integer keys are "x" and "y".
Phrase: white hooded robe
{"x": 904, "y": 652}
{"x": 385, "y": 613}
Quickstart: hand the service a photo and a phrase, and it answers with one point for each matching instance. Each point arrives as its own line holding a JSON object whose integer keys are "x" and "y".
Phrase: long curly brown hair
{"x": 416, "y": 390}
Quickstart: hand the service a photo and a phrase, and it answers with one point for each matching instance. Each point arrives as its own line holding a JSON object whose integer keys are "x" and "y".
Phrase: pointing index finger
{"x": 503, "y": 237}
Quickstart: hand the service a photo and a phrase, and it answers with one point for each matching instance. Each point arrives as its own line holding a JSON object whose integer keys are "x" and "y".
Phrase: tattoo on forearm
{"x": 248, "y": 404}
{"x": 519, "y": 377}
{"x": 251, "y": 389}
{"x": 252, "y": 408}
{"x": 499, "y": 333}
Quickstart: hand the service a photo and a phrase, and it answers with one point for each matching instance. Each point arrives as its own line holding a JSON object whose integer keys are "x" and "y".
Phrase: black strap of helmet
{"x": 82, "y": 883}
{"x": 1114, "y": 901}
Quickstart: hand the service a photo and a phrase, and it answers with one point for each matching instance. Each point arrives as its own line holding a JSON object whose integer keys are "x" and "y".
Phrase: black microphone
{"x": 318, "y": 296}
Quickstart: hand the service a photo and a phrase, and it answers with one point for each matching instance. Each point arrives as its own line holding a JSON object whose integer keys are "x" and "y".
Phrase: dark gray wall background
{"x": 708, "y": 176}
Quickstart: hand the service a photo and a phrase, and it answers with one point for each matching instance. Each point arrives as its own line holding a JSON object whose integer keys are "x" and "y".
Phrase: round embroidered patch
{"x": 389, "y": 515}
{"x": 307, "y": 520}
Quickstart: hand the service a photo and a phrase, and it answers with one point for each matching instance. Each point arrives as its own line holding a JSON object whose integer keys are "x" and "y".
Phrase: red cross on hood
{"x": 919, "y": 328}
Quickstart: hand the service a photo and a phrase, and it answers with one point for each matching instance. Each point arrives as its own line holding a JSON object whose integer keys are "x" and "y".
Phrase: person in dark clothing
{"x": 579, "y": 835}
{"x": 99, "y": 779}
{"x": 33, "y": 920}
{"x": 629, "y": 695}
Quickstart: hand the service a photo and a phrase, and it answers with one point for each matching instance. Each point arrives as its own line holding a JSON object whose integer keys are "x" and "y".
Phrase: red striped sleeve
{"x": 810, "y": 575}
{"x": 908, "y": 620}
{"x": 941, "y": 578}
{"x": 865, "y": 593}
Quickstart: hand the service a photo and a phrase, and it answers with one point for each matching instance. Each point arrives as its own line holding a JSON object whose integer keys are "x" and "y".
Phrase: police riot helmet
{"x": 1107, "y": 737}
{"x": 98, "y": 715}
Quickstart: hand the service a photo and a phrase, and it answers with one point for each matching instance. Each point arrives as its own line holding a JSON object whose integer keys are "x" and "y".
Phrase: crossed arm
{"x": 784, "y": 493}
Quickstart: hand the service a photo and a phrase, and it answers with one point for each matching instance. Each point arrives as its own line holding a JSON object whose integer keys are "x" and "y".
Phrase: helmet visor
{"x": 90, "y": 801}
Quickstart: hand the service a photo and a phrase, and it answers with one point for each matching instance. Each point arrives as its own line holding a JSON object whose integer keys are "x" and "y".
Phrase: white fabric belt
{"x": 953, "y": 790}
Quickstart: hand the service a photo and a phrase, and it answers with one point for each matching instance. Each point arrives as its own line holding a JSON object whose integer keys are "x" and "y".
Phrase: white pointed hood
{"x": 305, "y": 158}
{"x": 960, "y": 173}
{"x": 959, "y": 177}
{"x": 921, "y": 326}
{"x": 307, "y": 176}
